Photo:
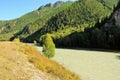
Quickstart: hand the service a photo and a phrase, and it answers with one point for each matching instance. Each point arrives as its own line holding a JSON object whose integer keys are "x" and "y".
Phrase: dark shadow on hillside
{"x": 34, "y": 36}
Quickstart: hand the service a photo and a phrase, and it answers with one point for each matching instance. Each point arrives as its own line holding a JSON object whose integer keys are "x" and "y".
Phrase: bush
{"x": 48, "y": 46}
{"x": 35, "y": 42}
{"x": 16, "y": 40}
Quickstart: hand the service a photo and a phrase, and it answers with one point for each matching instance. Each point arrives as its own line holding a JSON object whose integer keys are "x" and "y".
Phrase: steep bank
{"x": 19, "y": 61}
{"x": 14, "y": 65}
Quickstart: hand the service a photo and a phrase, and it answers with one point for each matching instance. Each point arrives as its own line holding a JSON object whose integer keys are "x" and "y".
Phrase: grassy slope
{"x": 17, "y": 24}
{"x": 14, "y": 64}
{"x": 18, "y": 55}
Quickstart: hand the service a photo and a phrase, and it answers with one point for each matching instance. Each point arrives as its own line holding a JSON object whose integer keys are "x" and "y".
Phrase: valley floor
{"x": 90, "y": 65}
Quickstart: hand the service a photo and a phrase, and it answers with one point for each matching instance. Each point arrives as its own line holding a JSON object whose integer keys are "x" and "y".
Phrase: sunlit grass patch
{"x": 47, "y": 65}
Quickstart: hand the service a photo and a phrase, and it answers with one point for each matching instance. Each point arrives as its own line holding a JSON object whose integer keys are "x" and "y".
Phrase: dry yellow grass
{"x": 47, "y": 65}
{"x": 16, "y": 59}
{"x": 14, "y": 65}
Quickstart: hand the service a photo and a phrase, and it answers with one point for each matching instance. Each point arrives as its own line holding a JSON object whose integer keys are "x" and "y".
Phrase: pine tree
{"x": 48, "y": 46}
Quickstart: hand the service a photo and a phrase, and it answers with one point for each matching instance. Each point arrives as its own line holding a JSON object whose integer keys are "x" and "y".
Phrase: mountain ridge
{"x": 56, "y": 4}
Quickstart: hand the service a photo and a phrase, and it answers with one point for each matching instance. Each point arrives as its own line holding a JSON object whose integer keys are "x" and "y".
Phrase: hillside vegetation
{"x": 70, "y": 24}
{"x": 32, "y": 28}
{"x": 22, "y": 62}
{"x": 78, "y": 17}
{"x": 105, "y": 34}
{"x": 29, "y": 23}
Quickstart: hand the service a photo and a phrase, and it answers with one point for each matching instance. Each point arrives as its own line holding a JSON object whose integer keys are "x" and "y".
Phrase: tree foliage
{"x": 48, "y": 46}
{"x": 16, "y": 40}
{"x": 92, "y": 38}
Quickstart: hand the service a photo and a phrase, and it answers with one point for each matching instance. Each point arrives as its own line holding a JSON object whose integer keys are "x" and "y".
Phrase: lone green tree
{"x": 48, "y": 46}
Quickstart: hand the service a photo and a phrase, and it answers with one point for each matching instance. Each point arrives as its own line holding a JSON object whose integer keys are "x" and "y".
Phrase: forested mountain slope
{"x": 78, "y": 24}
{"x": 31, "y": 28}
{"x": 12, "y": 28}
{"x": 78, "y": 16}
{"x": 103, "y": 35}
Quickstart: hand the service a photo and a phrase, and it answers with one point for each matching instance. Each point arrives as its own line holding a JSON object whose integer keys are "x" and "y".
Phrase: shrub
{"x": 48, "y": 46}
{"x": 16, "y": 40}
{"x": 35, "y": 42}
